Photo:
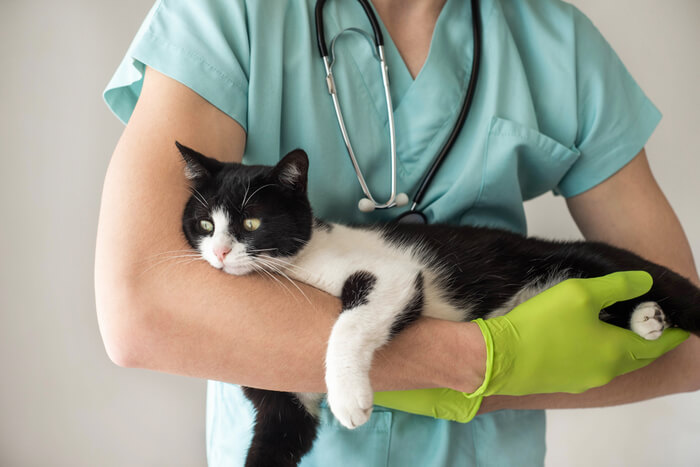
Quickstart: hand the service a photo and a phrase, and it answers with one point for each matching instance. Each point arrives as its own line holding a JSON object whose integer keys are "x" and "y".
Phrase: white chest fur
{"x": 332, "y": 255}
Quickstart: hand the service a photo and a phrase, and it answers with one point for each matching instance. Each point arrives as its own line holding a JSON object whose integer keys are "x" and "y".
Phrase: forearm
{"x": 162, "y": 309}
{"x": 192, "y": 320}
{"x": 629, "y": 210}
{"x": 675, "y": 372}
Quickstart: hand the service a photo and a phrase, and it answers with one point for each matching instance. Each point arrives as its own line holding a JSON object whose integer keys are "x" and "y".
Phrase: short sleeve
{"x": 615, "y": 118}
{"x": 203, "y": 44}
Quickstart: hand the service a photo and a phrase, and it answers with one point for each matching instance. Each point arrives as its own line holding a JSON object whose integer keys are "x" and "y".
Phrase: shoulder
{"x": 544, "y": 12}
{"x": 550, "y": 25}
{"x": 553, "y": 24}
{"x": 249, "y": 8}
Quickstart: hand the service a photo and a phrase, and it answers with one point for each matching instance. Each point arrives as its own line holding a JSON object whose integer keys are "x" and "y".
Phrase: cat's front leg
{"x": 373, "y": 310}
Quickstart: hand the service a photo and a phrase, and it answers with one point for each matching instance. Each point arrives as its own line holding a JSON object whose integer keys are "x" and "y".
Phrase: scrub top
{"x": 555, "y": 109}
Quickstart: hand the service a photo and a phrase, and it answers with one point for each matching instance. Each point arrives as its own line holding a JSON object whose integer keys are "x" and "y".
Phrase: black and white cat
{"x": 243, "y": 219}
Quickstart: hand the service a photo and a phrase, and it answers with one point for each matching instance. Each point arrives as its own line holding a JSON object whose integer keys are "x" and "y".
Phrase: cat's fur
{"x": 387, "y": 276}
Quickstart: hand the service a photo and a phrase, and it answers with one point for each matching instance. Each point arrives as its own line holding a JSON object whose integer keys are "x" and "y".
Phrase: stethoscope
{"x": 369, "y": 203}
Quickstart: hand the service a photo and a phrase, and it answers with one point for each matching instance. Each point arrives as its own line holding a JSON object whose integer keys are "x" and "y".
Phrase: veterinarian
{"x": 555, "y": 109}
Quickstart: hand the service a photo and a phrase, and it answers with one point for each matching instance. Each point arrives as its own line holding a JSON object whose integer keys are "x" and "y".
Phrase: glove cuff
{"x": 473, "y": 408}
{"x": 488, "y": 340}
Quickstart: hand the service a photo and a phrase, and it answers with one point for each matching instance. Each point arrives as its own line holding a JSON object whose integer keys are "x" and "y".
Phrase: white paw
{"x": 350, "y": 400}
{"x": 648, "y": 320}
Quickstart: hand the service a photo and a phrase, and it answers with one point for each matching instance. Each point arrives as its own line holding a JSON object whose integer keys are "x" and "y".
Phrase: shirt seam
{"x": 221, "y": 75}
{"x": 643, "y": 116}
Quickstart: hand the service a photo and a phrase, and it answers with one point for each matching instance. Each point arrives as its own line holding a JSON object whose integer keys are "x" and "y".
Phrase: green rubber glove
{"x": 554, "y": 342}
{"x": 447, "y": 404}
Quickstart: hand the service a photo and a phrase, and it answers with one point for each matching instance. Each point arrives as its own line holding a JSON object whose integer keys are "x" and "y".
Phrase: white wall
{"x": 658, "y": 41}
{"x": 62, "y": 403}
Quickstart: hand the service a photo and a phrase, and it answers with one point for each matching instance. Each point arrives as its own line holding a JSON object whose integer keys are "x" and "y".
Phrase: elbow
{"x": 685, "y": 359}
{"x": 120, "y": 316}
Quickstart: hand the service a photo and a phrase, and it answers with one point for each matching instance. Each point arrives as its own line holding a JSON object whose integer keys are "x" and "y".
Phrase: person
{"x": 241, "y": 80}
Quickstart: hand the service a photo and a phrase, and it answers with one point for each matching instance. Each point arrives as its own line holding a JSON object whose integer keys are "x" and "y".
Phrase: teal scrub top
{"x": 555, "y": 110}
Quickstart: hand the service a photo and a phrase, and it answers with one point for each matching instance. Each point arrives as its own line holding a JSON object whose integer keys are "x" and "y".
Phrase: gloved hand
{"x": 554, "y": 342}
{"x": 444, "y": 403}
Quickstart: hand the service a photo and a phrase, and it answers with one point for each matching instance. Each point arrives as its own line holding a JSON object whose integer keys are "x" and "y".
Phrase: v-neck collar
{"x": 399, "y": 73}
{"x": 424, "y": 106}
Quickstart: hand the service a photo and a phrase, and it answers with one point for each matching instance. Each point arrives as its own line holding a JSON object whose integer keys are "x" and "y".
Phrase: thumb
{"x": 650, "y": 350}
{"x": 619, "y": 286}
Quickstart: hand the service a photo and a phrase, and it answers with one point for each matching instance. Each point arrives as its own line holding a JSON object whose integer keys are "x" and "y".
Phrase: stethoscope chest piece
{"x": 412, "y": 217}
{"x": 368, "y": 203}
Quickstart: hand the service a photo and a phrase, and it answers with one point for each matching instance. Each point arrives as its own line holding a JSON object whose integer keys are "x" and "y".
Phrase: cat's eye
{"x": 251, "y": 224}
{"x": 206, "y": 225}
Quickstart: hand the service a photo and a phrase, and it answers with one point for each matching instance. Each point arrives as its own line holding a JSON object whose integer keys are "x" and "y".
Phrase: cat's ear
{"x": 292, "y": 170}
{"x": 197, "y": 165}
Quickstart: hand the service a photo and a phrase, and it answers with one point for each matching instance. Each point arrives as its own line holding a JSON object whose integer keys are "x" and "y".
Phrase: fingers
{"x": 438, "y": 403}
{"x": 618, "y": 286}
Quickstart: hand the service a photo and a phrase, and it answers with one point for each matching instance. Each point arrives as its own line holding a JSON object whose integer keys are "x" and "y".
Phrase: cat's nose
{"x": 221, "y": 252}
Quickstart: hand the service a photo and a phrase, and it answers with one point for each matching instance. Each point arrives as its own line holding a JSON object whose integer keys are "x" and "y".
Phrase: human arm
{"x": 187, "y": 318}
{"x": 629, "y": 210}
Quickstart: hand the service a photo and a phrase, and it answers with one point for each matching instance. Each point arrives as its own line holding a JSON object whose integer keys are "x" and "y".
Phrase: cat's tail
{"x": 678, "y": 298}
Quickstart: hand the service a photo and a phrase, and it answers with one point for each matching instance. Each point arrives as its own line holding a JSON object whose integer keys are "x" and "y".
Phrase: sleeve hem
{"x": 167, "y": 58}
{"x": 605, "y": 166}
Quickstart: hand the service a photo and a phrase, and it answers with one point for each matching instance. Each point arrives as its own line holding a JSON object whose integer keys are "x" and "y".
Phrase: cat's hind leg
{"x": 285, "y": 428}
{"x": 374, "y": 309}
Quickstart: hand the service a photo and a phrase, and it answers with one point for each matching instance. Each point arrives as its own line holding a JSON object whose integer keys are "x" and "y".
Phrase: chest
{"x": 335, "y": 254}
{"x": 499, "y": 159}
{"x": 411, "y": 30}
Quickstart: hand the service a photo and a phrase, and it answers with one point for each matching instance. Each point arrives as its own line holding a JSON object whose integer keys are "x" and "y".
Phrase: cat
{"x": 243, "y": 219}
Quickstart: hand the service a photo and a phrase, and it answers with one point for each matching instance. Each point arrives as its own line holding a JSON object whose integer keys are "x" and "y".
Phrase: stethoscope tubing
{"x": 464, "y": 111}
{"x": 321, "y": 30}
{"x": 379, "y": 45}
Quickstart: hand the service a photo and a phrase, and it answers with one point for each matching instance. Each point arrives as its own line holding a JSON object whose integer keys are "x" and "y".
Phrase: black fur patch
{"x": 242, "y": 192}
{"x": 356, "y": 289}
{"x": 284, "y": 431}
{"x": 320, "y": 224}
{"x": 413, "y": 309}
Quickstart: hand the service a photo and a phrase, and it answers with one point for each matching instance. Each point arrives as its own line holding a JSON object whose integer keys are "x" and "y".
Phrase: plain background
{"x": 63, "y": 403}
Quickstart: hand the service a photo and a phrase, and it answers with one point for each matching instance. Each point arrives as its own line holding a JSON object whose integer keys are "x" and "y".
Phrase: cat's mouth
{"x": 238, "y": 269}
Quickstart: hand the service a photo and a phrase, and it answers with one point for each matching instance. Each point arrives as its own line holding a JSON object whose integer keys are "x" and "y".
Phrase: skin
{"x": 187, "y": 318}
{"x": 410, "y": 24}
{"x": 628, "y": 210}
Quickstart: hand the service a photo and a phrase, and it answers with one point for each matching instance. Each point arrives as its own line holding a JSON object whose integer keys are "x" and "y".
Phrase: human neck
{"x": 398, "y": 5}
{"x": 410, "y": 24}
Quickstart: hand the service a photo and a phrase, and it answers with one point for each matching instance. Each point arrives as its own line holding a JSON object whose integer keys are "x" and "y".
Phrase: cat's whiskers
{"x": 286, "y": 264}
{"x": 257, "y": 268}
{"x": 245, "y": 195}
{"x": 246, "y": 201}
{"x": 200, "y": 197}
{"x": 188, "y": 250}
{"x": 184, "y": 259}
{"x": 275, "y": 268}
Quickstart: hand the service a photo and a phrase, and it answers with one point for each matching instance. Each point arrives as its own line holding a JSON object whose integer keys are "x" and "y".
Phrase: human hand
{"x": 555, "y": 342}
{"x": 444, "y": 403}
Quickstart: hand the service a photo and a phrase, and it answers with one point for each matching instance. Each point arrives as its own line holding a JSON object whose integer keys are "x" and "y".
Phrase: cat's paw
{"x": 350, "y": 401}
{"x": 648, "y": 320}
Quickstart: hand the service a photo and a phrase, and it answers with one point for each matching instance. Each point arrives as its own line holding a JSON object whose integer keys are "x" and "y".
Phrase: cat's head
{"x": 242, "y": 218}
